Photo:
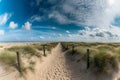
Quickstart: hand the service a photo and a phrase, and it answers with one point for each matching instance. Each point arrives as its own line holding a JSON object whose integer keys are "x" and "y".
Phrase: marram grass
{"x": 8, "y": 57}
{"x": 103, "y": 56}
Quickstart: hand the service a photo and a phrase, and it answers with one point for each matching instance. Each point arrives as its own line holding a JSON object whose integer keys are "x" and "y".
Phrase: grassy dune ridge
{"x": 104, "y": 57}
{"x": 27, "y": 53}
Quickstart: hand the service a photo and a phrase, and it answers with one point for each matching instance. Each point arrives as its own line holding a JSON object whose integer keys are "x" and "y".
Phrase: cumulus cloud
{"x": 2, "y": 32}
{"x": 111, "y": 32}
{"x": 27, "y": 26}
{"x": 13, "y": 25}
{"x": 4, "y": 18}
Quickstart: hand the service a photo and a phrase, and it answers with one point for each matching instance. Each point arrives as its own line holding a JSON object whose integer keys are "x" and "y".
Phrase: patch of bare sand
{"x": 9, "y": 73}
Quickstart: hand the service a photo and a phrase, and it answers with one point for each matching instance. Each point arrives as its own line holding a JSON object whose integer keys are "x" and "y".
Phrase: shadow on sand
{"x": 79, "y": 71}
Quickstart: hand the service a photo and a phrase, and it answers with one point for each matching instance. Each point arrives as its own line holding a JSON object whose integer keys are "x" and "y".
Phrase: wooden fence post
{"x": 18, "y": 61}
{"x": 88, "y": 58}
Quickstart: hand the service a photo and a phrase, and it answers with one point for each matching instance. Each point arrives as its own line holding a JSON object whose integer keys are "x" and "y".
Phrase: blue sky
{"x": 64, "y": 20}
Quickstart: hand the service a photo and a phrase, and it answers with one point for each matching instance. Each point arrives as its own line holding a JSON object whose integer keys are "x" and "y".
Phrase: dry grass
{"x": 8, "y": 55}
{"x": 103, "y": 56}
{"x": 48, "y": 46}
{"x": 25, "y": 50}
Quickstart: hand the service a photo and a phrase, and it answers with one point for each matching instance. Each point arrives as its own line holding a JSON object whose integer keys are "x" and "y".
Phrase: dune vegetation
{"x": 104, "y": 57}
{"x": 48, "y": 46}
{"x": 8, "y": 56}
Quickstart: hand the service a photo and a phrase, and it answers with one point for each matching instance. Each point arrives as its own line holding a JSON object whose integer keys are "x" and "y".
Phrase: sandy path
{"x": 53, "y": 67}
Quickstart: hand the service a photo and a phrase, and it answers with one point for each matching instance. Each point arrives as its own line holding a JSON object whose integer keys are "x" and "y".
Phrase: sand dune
{"x": 56, "y": 66}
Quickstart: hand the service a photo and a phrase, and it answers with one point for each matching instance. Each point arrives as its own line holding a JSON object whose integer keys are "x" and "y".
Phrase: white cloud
{"x": 97, "y": 16}
{"x": 62, "y": 19}
{"x": 13, "y": 25}
{"x": 2, "y": 32}
{"x": 27, "y": 26}
{"x": 97, "y": 13}
{"x": 67, "y": 31}
{"x": 35, "y": 18}
{"x": 4, "y": 18}
{"x": 111, "y": 32}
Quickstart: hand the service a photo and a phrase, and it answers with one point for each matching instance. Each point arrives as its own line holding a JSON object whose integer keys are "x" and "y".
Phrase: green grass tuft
{"x": 25, "y": 50}
{"x": 102, "y": 62}
{"x": 103, "y": 56}
{"x": 8, "y": 57}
